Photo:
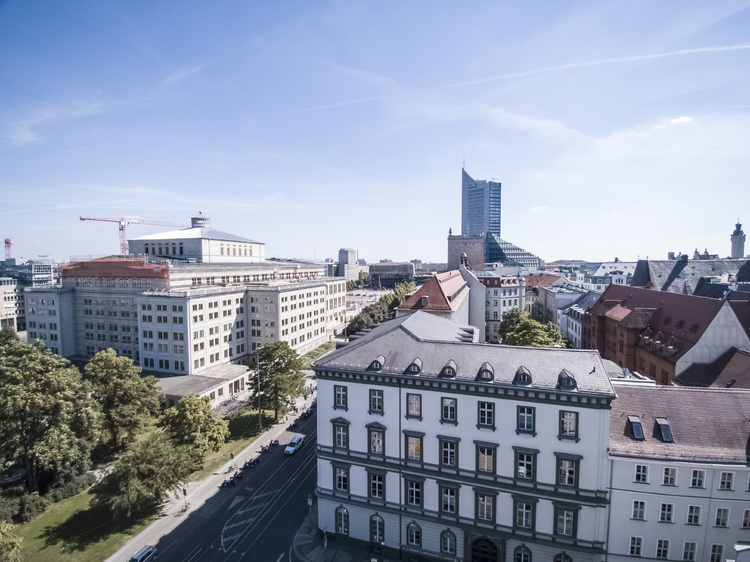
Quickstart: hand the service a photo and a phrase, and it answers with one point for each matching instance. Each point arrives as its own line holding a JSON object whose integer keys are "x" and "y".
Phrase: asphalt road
{"x": 256, "y": 519}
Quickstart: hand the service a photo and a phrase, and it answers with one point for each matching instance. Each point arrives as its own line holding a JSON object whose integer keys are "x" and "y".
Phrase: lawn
{"x": 72, "y": 530}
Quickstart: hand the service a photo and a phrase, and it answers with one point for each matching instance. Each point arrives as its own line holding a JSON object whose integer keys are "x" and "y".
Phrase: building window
{"x": 565, "y": 521}
{"x": 568, "y": 425}
{"x": 414, "y": 446}
{"x": 666, "y": 513}
{"x": 486, "y": 415}
{"x": 376, "y": 401}
{"x": 524, "y": 510}
{"x": 722, "y": 517}
{"x": 376, "y": 485}
{"x": 639, "y": 510}
{"x": 414, "y": 406}
{"x": 376, "y": 440}
{"x": 413, "y": 535}
{"x": 486, "y": 458}
{"x": 340, "y": 397}
{"x": 522, "y": 554}
{"x": 448, "y": 452}
{"x": 636, "y": 546}
{"x": 377, "y": 529}
{"x": 525, "y": 420}
{"x": 340, "y": 435}
{"x": 485, "y": 506}
{"x": 641, "y": 474}
{"x": 448, "y": 542}
{"x": 342, "y": 521}
{"x": 670, "y": 477}
{"x": 726, "y": 482}
{"x": 688, "y": 551}
{"x": 662, "y": 549}
{"x": 746, "y": 519}
{"x": 448, "y": 410}
{"x": 567, "y": 470}
{"x": 698, "y": 478}
{"x": 694, "y": 515}
{"x": 717, "y": 553}
{"x": 341, "y": 479}
{"x": 414, "y": 493}
{"x": 562, "y": 557}
{"x": 448, "y": 500}
{"x": 526, "y": 464}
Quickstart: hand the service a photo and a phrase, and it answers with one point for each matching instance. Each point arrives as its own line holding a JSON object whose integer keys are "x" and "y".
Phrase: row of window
{"x": 697, "y": 478}
{"x": 525, "y": 415}
{"x": 667, "y": 514}
{"x": 661, "y": 552}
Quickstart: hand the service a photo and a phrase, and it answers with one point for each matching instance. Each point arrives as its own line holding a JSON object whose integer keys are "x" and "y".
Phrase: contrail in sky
{"x": 583, "y": 64}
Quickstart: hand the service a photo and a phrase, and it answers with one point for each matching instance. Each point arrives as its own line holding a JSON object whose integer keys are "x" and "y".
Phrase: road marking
{"x": 235, "y": 501}
{"x": 280, "y": 557}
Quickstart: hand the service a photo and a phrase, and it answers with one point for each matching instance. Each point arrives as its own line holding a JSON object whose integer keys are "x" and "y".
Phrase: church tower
{"x": 738, "y": 242}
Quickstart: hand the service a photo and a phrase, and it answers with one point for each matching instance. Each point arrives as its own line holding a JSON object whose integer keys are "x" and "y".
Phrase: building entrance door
{"x": 484, "y": 550}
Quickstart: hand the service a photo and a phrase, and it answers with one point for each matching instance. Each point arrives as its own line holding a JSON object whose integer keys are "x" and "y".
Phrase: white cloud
{"x": 676, "y": 121}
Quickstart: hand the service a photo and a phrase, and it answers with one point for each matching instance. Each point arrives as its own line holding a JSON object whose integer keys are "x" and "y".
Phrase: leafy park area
{"x": 98, "y": 455}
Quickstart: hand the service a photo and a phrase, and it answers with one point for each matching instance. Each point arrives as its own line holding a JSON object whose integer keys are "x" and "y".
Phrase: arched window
{"x": 448, "y": 542}
{"x": 413, "y": 535}
{"x": 522, "y": 554}
{"x": 562, "y": 557}
{"x": 342, "y": 521}
{"x": 377, "y": 529}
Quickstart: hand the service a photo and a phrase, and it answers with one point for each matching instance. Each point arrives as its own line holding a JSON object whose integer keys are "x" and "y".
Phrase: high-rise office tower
{"x": 480, "y": 206}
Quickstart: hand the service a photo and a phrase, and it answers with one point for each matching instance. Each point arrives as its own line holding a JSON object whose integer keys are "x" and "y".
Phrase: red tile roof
{"x": 533, "y": 281}
{"x": 441, "y": 291}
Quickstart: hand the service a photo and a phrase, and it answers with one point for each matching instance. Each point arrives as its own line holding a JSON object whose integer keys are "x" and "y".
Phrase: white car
{"x": 294, "y": 444}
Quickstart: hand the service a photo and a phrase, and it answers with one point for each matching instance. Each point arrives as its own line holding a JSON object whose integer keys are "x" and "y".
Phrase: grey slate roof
{"x": 730, "y": 370}
{"x": 677, "y": 276}
{"x": 436, "y": 341}
{"x": 706, "y": 424}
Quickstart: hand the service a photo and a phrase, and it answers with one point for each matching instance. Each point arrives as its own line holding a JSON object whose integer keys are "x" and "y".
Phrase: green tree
{"x": 523, "y": 330}
{"x": 129, "y": 401}
{"x": 47, "y": 418}
{"x": 193, "y": 423}
{"x": 145, "y": 474}
{"x": 508, "y": 323}
{"x": 10, "y": 543}
{"x": 280, "y": 375}
{"x": 384, "y": 309}
{"x": 8, "y": 336}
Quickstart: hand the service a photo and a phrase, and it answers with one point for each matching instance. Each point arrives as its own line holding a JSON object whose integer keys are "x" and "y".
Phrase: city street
{"x": 256, "y": 518}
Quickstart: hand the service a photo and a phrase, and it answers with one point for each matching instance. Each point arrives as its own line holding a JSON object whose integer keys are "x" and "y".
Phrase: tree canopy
{"x": 518, "y": 328}
{"x": 280, "y": 375}
{"x": 129, "y": 401}
{"x": 48, "y": 419}
{"x": 10, "y": 543}
{"x": 194, "y": 423}
{"x": 145, "y": 473}
{"x": 382, "y": 310}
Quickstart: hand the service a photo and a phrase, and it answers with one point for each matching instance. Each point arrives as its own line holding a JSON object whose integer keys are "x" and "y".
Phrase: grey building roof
{"x": 730, "y": 370}
{"x": 197, "y": 232}
{"x": 182, "y": 385}
{"x": 683, "y": 276}
{"x": 706, "y": 424}
{"x": 436, "y": 342}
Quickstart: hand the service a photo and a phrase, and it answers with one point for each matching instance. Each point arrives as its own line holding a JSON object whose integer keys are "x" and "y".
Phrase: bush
{"x": 8, "y": 508}
{"x": 64, "y": 490}
{"x": 30, "y": 506}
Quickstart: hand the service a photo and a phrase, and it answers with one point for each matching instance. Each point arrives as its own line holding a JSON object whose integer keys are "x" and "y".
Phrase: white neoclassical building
{"x": 432, "y": 446}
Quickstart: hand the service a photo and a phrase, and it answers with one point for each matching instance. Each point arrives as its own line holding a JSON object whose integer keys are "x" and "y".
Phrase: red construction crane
{"x": 8, "y": 244}
{"x": 123, "y": 222}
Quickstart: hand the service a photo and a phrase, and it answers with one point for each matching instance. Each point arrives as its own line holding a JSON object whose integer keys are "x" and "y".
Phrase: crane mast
{"x": 122, "y": 225}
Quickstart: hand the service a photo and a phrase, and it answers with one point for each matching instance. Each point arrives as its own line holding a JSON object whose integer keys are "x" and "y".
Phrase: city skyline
{"x": 616, "y": 130}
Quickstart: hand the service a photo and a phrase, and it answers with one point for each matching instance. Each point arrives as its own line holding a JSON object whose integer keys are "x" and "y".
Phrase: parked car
{"x": 314, "y": 403}
{"x": 294, "y": 444}
{"x": 145, "y": 554}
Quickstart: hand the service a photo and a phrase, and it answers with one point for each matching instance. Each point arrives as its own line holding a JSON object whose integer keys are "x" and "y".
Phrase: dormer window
{"x": 566, "y": 381}
{"x": 377, "y": 363}
{"x": 486, "y": 373}
{"x": 449, "y": 370}
{"x": 415, "y": 367}
{"x": 665, "y": 430}
{"x": 423, "y": 300}
{"x": 637, "y": 427}
{"x": 522, "y": 377}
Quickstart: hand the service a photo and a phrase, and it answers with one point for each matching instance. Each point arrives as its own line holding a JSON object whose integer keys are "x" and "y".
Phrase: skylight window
{"x": 666, "y": 431}
{"x": 637, "y": 427}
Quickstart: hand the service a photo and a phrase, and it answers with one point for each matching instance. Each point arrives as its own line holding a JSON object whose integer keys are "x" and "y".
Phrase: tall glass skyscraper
{"x": 480, "y": 206}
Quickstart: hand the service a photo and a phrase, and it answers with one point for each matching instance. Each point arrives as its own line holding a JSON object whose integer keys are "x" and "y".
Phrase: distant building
{"x": 738, "y": 242}
{"x": 684, "y": 275}
{"x": 502, "y": 294}
{"x": 570, "y": 318}
{"x": 10, "y": 304}
{"x": 389, "y": 274}
{"x": 480, "y": 206}
{"x": 471, "y": 246}
{"x": 347, "y": 256}
{"x": 597, "y": 275}
{"x": 38, "y": 272}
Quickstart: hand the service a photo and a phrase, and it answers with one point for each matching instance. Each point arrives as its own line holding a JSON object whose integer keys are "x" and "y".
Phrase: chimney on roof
{"x": 200, "y": 222}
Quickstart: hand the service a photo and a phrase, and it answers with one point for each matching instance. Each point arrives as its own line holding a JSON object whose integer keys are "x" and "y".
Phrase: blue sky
{"x": 616, "y": 128}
